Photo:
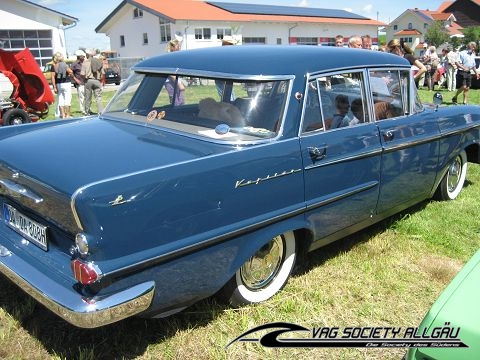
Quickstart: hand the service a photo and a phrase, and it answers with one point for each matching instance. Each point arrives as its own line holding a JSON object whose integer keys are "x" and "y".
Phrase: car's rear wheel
{"x": 452, "y": 182}
{"x": 264, "y": 274}
{"x": 15, "y": 117}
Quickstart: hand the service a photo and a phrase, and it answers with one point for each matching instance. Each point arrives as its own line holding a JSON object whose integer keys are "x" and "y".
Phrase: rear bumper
{"x": 60, "y": 297}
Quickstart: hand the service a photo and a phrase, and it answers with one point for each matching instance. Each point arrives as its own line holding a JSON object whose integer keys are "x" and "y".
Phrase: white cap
{"x": 80, "y": 53}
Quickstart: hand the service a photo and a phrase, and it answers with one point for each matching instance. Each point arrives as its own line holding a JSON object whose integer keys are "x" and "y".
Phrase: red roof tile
{"x": 408, "y": 32}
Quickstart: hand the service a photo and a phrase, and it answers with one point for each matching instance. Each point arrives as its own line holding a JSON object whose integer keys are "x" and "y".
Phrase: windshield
{"x": 215, "y": 108}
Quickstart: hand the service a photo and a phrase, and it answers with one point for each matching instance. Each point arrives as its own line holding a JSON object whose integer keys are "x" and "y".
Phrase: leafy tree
{"x": 472, "y": 33}
{"x": 437, "y": 34}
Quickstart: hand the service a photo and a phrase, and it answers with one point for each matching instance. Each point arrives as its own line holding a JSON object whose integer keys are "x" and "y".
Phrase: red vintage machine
{"x": 31, "y": 95}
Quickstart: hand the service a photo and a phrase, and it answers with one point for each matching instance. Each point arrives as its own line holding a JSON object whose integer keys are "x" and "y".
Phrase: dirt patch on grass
{"x": 439, "y": 268}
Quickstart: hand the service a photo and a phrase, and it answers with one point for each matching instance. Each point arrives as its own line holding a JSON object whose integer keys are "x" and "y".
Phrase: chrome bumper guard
{"x": 70, "y": 305}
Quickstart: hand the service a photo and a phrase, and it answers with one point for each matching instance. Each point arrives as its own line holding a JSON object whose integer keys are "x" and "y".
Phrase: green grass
{"x": 386, "y": 275}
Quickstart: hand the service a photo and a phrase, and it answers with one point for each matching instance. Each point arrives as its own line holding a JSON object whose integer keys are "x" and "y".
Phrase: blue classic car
{"x": 175, "y": 193}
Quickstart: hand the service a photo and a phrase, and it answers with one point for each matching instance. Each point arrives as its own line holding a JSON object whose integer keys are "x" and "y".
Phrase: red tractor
{"x": 31, "y": 95}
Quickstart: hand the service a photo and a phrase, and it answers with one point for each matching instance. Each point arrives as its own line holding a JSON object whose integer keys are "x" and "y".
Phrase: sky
{"x": 91, "y": 13}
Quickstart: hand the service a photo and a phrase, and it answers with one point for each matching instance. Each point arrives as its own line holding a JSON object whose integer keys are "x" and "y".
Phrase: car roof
{"x": 267, "y": 60}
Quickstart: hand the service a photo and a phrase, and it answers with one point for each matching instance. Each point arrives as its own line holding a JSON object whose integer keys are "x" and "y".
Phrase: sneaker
{"x": 454, "y": 100}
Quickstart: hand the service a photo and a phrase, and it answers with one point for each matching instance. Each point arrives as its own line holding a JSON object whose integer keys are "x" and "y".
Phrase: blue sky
{"x": 92, "y": 12}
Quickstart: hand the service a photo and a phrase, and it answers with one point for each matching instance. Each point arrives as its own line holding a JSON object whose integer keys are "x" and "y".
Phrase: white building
{"x": 412, "y": 25}
{"x": 42, "y": 30}
{"x": 143, "y": 28}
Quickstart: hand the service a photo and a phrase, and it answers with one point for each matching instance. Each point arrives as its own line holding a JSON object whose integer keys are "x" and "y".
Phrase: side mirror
{"x": 437, "y": 99}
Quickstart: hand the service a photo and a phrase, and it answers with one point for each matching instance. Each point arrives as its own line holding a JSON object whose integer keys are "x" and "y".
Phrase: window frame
{"x": 318, "y": 80}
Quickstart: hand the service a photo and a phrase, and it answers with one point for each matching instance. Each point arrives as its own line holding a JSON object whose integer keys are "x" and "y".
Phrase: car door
{"x": 409, "y": 140}
{"x": 341, "y": 164}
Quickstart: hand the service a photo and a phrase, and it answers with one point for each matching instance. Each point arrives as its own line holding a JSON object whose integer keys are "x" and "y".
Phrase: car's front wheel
{"x": 452, "y": 182}
{"x": 264, "y": 274}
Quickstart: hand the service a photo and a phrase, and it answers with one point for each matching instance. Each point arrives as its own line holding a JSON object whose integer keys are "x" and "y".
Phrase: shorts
{"x": 466, "y": 78}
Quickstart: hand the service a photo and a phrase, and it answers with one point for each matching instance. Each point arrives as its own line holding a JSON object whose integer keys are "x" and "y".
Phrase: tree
{"x": 436, "y": 34}
{"x": 472, "y": 33}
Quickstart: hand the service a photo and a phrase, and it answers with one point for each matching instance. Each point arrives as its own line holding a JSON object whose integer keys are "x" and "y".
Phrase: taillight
{"x": 85, "y": 273}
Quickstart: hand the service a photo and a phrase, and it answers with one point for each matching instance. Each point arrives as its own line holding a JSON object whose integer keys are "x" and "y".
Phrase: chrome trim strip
{"x": 343, "y": 195}
{"x": 464, "y": 129}
{"x": 212, "y": 74}
{"x": 17, "y": 190}
{"x": 362, "y": 155}
{"x": 85, "y": 312}
{"x": 416, "y": 142}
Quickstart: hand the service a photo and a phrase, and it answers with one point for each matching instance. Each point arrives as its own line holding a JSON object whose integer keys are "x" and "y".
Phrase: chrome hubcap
{"x": 454, "y": 173}
{"x": 260, "y": 270}
{"x": 17, "y": 121}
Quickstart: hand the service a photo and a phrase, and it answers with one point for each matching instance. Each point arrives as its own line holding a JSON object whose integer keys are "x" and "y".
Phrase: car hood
{"x": 70, "y": 155}
{"x": 456, "y": 306}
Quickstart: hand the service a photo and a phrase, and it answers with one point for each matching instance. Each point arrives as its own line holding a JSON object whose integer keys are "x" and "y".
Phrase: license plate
{"x": 22, "y": 224}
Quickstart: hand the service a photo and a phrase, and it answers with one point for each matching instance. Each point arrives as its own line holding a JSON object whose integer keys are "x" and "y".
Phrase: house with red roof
{"x": 412, "y": 25}
{"x": 466, "y": 12}
{"x": 144, "y": 27}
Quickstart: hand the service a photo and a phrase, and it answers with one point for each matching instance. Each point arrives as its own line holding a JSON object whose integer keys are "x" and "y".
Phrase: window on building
{"x": 222, "y": 32}
{"x": 410, "y": 26}
{"x": 137, "y": 13}
{"x": 122, "y": 40}
{"x": 395, "y": 27}
{"x": 145, "y": 38}
{"x": 38, "y": 41}
{"x": 254, "y": 40}
{"x": 165, "y": 31}
{"x": 307, "y": 41}
{"x": 279, "y": 41}
{"x": 425, "y": 25}
{"x": 203, "y": 33}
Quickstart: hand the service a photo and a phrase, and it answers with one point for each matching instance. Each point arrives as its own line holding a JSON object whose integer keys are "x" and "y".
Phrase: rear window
{"x": 214, "y": 108}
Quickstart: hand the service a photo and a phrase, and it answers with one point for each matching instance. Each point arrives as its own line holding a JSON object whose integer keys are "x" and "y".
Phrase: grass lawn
{"x": 386, "y": 275}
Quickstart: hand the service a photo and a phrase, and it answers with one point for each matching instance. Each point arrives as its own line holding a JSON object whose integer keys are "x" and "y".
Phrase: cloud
{"x": 303, "y": 3}
{"x": 368, "y": 8}
{"x": 348, "y": 9}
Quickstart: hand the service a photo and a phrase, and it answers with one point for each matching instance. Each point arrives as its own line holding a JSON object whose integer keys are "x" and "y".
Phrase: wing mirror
{"x": 437, "y": 99}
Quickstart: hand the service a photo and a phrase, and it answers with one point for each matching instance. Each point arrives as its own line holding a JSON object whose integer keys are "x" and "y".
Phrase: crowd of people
{"x": 430, "y": 69}
{"x": 87, "y": 74}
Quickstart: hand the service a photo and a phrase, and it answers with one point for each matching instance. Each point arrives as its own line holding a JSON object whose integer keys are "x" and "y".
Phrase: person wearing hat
{"x": 92, "y": 71}
{"x": 78, "y": 80}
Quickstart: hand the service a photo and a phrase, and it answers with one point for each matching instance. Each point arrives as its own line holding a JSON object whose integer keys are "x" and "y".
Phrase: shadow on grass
{"x": 130, "y": 338}
{"x": 320, "y": 256}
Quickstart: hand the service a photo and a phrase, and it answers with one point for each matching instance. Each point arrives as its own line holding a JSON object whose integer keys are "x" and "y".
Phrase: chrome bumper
{"x": 59, "y": 296}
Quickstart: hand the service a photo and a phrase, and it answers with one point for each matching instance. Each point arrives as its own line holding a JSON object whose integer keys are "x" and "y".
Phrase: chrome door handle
{"x": 388, "y": 135}
{"x": 317, "y": 153}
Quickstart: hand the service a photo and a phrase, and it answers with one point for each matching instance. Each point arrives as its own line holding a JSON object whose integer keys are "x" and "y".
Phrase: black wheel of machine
{"x": 15, "y": 117}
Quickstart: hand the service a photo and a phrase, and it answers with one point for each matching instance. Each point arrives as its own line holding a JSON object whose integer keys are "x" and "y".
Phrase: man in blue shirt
{"x": 466, "y": 68}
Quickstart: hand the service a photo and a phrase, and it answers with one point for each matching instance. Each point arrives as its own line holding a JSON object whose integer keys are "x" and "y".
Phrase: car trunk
{"x": 54, "y": 162}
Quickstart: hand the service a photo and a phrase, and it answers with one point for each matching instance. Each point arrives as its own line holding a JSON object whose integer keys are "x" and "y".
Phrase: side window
{"x": 335, "y": 101}
{"x": 388, "y": 91}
